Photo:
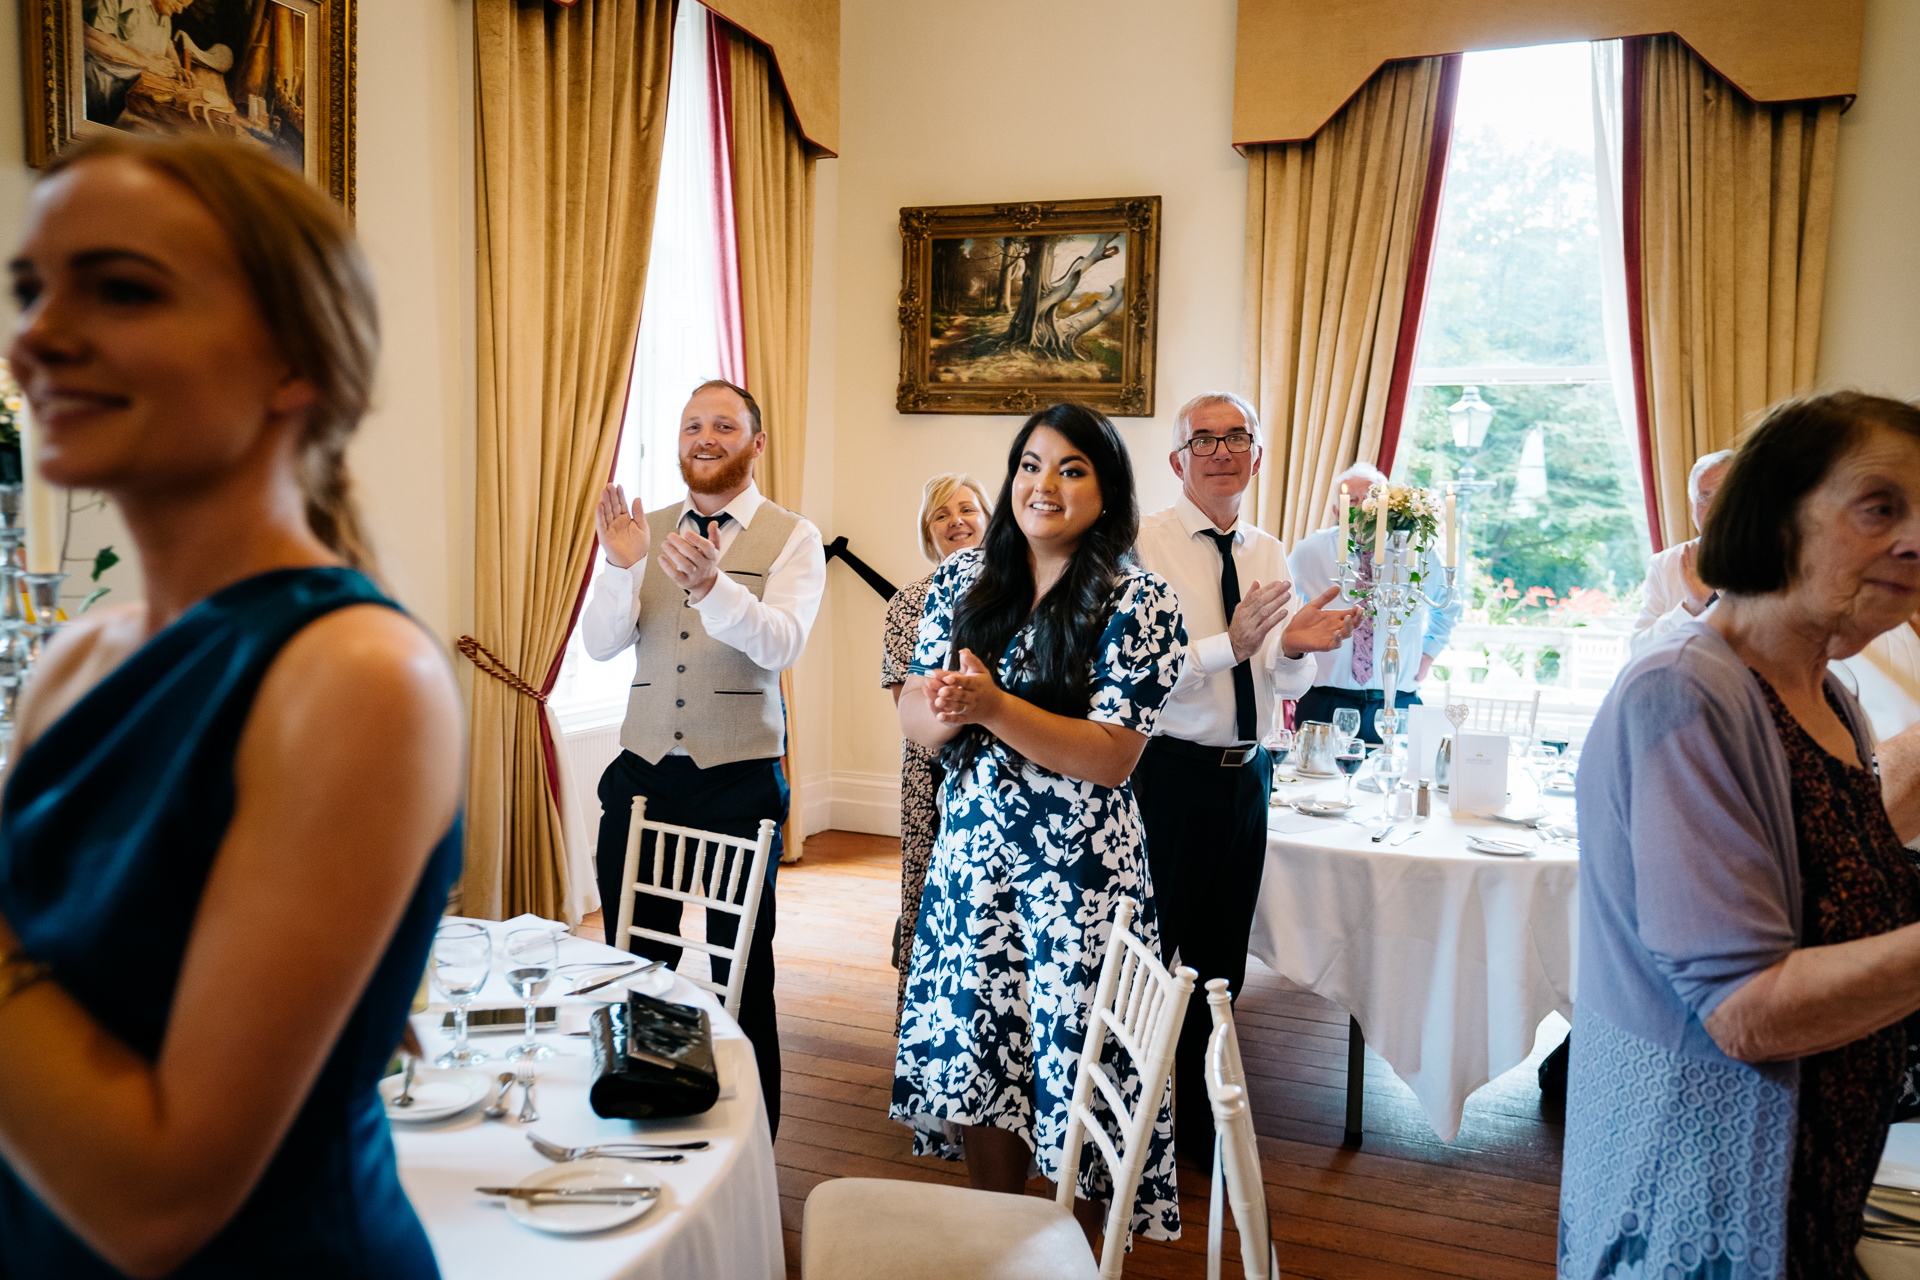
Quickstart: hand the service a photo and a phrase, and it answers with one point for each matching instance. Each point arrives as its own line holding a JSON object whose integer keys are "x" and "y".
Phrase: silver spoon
{"x": 498, "y": 1111}
{"x": 405, "y": 1099}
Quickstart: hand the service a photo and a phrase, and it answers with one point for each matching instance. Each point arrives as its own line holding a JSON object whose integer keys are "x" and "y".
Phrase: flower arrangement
{"x": 1415, "y": 512}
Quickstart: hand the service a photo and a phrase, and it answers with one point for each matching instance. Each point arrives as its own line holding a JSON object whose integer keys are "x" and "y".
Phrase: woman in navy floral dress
{"x": 1039, "y": 834}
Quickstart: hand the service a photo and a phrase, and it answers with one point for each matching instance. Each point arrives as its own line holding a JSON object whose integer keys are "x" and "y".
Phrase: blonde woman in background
{"x": 953, "y": 515}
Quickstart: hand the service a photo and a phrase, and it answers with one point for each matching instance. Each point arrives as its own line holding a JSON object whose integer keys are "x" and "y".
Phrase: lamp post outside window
{"x": 1470, "y": 417}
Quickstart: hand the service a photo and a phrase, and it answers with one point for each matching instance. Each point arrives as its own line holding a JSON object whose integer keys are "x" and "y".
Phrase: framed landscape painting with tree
{"x": 276, "y": 72}
{"x": 1007, "y": 308}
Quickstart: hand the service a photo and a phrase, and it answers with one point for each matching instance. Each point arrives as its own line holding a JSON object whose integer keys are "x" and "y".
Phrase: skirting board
{"x": 866, "y": 802}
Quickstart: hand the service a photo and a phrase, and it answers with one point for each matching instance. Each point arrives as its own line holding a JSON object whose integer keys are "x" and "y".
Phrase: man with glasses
{"x": 1349, "y": 675}
{"x": 1203, "y": 781}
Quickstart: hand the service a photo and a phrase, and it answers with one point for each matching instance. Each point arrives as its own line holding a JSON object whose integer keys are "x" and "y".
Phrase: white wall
{"x": 1870, "y": 330}
{"x": 986, "y": 100}
{"x": 413, "y": 459}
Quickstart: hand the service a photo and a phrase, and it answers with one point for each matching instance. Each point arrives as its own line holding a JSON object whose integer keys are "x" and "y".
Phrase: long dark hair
{"x": 1068, "y": 621}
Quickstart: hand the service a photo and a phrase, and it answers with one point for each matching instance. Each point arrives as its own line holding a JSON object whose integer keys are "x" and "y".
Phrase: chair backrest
{"x": 1597, "y": 658}
{"x": 706, "y": 869}
{"x": 1141, "y": 1006}
{"x": 1497, "y": 715}
{"x": 1236, "y": 1150}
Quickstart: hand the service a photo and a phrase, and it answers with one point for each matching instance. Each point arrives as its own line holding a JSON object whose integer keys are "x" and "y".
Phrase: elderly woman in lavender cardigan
{"x": 1748, "y": 920}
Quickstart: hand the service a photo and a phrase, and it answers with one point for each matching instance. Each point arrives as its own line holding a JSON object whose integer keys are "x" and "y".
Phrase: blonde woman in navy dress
{"x": 1039, "y": 834}
{"x": 231, "y": 820}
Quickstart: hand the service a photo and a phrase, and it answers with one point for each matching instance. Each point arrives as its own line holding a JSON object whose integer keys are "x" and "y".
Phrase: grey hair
{"x": 1358, "y": 471}
{"x": 1248, "y": 414}
{"x": 1705, "y": 463}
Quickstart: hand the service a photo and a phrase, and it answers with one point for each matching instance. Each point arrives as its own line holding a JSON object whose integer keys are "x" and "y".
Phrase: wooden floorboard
{"x": 1405, "y": 1206}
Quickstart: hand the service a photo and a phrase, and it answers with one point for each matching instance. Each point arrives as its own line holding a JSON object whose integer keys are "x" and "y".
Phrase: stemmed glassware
{"x": 1279, "y": 745}
{"x": 1542, "y": 762}
{"x": 462, "y": 959}
{"x": 531, "y": 955}
{"x": 1346, "y": 723}
{"x": 1352, "y": 755}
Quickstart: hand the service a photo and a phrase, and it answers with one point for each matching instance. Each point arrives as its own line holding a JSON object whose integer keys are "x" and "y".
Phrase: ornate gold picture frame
{"x": 279, "y": 72}
{"x": 1007, "y": 308}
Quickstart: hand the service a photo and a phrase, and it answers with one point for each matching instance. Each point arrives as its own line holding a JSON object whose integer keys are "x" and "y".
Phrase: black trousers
{"x": 1206, "y": 845}
{"x": 730, "y": 799}
{"x": 1321, "y": 701}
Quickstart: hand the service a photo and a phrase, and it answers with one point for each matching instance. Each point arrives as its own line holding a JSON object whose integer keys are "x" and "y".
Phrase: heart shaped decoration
{"x": 1457, "y": 713}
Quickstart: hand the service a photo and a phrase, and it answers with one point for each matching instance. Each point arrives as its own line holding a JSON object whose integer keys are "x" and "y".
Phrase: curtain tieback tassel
{"x": 484, "y": 658}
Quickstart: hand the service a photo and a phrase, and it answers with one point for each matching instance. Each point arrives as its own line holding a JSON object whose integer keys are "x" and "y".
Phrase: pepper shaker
{"x": 1423, "y": 802}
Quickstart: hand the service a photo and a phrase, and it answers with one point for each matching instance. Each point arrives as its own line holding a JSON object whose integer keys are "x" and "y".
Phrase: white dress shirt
{"x": 1665, "y": 607}
{"x": 1885, "y": 676}
{"x": 1174, "y": 544}
{"x": 1316, "y": 562}
{"x": 772, "y": 631}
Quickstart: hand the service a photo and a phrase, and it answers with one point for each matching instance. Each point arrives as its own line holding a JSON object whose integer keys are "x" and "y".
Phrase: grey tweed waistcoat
{"x": 690, "y": 690}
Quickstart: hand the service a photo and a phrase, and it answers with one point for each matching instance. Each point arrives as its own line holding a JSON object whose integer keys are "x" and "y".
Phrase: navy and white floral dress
{"x": 1018, "y": 909}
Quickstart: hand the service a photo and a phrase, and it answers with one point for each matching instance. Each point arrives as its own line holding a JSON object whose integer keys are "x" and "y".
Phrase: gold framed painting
{"x": 1008, "y": 308}
{"x": 277, "y": 72}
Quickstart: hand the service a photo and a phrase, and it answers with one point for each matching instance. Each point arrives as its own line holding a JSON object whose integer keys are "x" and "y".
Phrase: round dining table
{"x": 1447, "y": 960}
{"x": 718, "y": 1213}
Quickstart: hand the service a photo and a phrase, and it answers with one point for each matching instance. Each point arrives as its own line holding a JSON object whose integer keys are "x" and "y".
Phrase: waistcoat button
{"x": 677, "y": 735}
{"x": 683, "y": 635}
{"x": 679, "y": 702}
{"x": 681, "y": 669}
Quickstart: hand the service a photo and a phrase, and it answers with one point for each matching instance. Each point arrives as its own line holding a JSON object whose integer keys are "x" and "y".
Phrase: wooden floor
{"x": 1404, "y": 1206}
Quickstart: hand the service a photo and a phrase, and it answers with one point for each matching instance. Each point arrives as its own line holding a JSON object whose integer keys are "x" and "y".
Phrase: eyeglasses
{"x": 1204, "y": 446}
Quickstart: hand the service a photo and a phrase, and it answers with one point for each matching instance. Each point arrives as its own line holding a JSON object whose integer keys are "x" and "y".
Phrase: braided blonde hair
{"x": 311, "y": 283}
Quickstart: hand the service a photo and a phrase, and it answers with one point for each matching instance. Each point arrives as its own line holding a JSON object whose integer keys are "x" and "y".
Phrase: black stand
{"x": 1356, "y": 1082}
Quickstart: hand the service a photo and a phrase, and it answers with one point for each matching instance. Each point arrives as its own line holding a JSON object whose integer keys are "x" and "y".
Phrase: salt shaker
{"x": 1423, "y": 803}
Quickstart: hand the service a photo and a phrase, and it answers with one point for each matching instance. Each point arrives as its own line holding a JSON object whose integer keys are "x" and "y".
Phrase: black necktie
{"x": 1243, "y": 673}
{"x": 706, "y": 522}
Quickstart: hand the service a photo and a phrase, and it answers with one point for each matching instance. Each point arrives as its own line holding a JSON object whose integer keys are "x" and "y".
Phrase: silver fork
{"x": 616, "y": 1150}
{"x": 523, "y": 1076}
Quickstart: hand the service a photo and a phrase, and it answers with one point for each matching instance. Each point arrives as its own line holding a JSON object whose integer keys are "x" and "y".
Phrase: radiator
{"x": 589, "y": 752}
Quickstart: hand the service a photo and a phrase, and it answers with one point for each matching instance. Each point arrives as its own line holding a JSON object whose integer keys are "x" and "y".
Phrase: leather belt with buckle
{"x": 1224, "y": 757}
{"x": 1234, "y": 757}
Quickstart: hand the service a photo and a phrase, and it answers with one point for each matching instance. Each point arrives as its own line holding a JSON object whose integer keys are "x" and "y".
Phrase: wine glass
{"x": 1542, "y": 762}
{"x": 531, "y": 956}
{"x": 1351, "y": 757}
{"x": 1346, "y": 723}
{"x": 1279, "y": 745}
{"x": 462, "y": 959}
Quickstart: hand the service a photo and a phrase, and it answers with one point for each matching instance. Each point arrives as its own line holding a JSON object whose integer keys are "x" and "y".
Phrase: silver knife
{"x": 1383, "y": 833}
{"x": 584, "y": 1195}
{"x": 618, "y": 977}
{"x": 1409, "y": 834}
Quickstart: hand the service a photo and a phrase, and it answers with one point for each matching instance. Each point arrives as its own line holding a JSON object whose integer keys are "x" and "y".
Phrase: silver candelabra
{"x": 1393, "y": 594}
{"x": 29, "y": 613}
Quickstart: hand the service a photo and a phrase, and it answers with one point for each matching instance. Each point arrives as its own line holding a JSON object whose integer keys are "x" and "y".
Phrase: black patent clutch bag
{"x": 652, "y": 1059}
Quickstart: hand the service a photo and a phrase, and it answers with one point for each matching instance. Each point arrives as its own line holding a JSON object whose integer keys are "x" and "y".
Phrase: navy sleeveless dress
{"x": 110, "y": 826}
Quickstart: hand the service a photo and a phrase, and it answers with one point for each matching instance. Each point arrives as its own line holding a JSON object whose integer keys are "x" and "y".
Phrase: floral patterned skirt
{"x": 1014, "y": 924}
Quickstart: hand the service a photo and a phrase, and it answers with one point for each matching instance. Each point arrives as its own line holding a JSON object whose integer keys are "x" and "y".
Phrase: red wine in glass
{"x": 1349, "y": 761}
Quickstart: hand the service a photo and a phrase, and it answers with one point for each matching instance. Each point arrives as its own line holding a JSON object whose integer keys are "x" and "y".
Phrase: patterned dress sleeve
{"x": 1140, "y": 654}
{"x": 902, "y": 629}
{"x": 951, "y": 581}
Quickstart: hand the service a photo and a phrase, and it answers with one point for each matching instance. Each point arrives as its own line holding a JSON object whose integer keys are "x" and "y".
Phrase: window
{"x": 1515, "y": 317}
{"x": 678, "y": 347}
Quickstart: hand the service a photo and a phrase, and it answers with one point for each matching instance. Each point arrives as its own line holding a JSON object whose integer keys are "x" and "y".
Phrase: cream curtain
{"x": 773, "y": 219}
{"x": 1331, "y": 230}
{"x": 571, "y": 114}
{"x": 1735, "y": 208}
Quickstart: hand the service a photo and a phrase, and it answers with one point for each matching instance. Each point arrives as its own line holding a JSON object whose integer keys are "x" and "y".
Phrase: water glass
{"x": 1346, "y": 724}
{"x": 531, "y": 955}
{"x": 462, "y": 959}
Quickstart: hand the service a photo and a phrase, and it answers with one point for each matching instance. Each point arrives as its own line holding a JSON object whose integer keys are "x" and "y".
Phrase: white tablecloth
{"x": 718, "y": 1216}
{"x": 1448, "y": 959}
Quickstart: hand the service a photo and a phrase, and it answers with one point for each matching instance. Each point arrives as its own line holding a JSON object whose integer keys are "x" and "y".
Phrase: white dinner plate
{"x": 1315, "y": 773}
{"x": 1499, "y": 848}
{"x": 1324, "y": 808}
{"x": 655, "y": 983}
{"x": 1517, "y": 817}
{"x": 437, "y": 1094}
{"x": 565, "y": 1219}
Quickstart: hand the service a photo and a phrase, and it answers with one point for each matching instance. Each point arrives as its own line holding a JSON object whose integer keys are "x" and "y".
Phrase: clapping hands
{"x": 966, "y": 696}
